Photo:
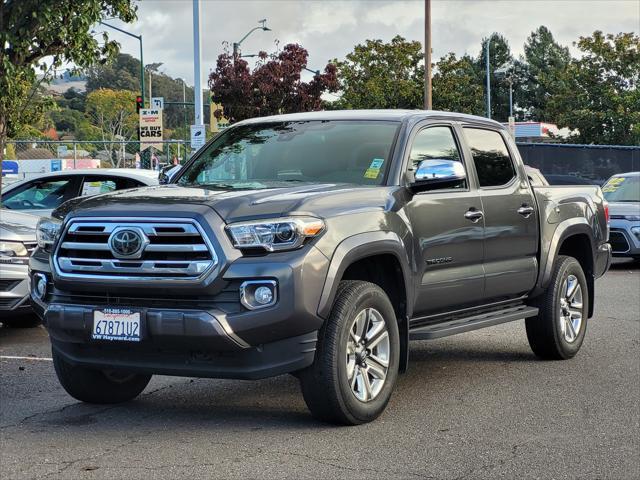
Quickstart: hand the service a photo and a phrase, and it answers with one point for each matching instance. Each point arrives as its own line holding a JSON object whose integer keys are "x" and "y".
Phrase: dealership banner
{"x": 150, "y": 128}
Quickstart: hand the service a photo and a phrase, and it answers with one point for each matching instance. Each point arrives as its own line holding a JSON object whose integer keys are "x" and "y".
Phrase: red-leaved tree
{"x": 274, "y": 86}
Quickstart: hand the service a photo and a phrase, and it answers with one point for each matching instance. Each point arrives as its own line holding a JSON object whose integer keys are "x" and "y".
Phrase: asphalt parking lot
{"x": 477, "y": 405}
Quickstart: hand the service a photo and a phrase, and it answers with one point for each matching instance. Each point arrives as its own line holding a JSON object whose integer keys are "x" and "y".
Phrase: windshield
{"x": 277, "y": 154}
{"x": 622, "y": 189}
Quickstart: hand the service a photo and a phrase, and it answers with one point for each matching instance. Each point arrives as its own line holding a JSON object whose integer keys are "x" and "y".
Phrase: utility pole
{"x": 488, "y": 79}
{"x": 427, "y": 56}
{"x": 197, "y": 59}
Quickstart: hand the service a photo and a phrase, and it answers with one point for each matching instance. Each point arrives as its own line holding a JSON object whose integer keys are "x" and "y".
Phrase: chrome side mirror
{"x": 439, "y": 173}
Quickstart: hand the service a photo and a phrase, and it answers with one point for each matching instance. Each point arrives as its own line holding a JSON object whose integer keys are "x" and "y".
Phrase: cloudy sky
{"x": 330, "y": 29}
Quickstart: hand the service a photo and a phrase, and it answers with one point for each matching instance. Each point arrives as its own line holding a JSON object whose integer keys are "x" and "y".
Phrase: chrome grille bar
{"x": 174, "y": 250}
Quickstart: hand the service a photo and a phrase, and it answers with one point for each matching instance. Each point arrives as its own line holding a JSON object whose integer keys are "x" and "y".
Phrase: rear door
{"x": 510, "y": 215}
{"x": 449, "y": 244}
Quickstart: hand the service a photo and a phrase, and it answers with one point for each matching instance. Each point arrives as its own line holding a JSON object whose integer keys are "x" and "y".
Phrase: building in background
{"x": 541, "y": 132}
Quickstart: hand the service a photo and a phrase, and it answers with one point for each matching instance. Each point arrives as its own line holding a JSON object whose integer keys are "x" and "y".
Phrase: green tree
{"x": 599, "y": 94}
{"x": 42, "y": 35}
{"x": 382, "y": 75}
{"x": 456, "y": 86}
{"x": 499, "y": 55}
{"x": 123, "y": 73}
{"x": 113, "y": 113}
{"x": 543, "y": 66}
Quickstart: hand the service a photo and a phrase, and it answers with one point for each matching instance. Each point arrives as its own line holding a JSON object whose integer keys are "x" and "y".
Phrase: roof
{"x": 388, "y": 115}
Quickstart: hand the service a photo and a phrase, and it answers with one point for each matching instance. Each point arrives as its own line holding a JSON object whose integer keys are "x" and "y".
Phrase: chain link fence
{"x": 25, "y": 158}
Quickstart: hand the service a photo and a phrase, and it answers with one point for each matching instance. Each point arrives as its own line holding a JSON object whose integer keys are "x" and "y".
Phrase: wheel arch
{"x": 380, "y": 258}
{"x": 573, "y": 238}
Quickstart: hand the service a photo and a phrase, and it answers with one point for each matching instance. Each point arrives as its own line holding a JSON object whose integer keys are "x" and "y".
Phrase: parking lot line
{"x": 11, "y": 357}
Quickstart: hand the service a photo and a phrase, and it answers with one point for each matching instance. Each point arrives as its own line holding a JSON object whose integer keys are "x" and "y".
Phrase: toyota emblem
{"x": 126, "y": 243}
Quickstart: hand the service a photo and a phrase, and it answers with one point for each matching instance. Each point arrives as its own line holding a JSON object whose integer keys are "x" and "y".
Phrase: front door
{"x": 448, "y": 241}
{"x": 510, "y": 216}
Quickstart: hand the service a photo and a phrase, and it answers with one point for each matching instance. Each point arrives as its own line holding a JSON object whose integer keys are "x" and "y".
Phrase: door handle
{"x": 526, "y": 211}
{"x": 473, "y": 215}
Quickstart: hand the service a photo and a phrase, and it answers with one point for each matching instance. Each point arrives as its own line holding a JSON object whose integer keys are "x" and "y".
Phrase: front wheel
{"x": 357, "y": 357}
{"x": 98, "y": 386}
{"x": 558, "y": 331}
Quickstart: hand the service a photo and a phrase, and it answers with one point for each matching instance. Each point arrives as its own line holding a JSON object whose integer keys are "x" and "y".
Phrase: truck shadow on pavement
{"x": 183, "y": 404}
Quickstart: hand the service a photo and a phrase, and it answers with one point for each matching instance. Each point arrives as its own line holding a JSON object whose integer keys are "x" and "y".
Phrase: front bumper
{"x": 205, "y": 335}
{"x": 624, "y": 242}
{"x": 14, "y": 290}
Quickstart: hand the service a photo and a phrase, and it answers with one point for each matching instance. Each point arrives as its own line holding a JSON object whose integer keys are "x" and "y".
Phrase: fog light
{"x": 258, "y": 293}
{"x": 39, "y": 286}
{"x": 263, "y": 295}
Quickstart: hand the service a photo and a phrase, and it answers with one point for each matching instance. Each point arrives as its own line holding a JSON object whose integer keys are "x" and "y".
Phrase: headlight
{"x": 13, "y": 252}
{"x": 47, "y": 232}
{"x": 636, "y": 232}
{"x": 632, "y": 218}
{"x": 277, "y": 234}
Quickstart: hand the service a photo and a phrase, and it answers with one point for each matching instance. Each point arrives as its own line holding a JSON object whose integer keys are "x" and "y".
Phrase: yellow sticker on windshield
{"x": 613, "y": 184}
{"x": 374, "y": 169}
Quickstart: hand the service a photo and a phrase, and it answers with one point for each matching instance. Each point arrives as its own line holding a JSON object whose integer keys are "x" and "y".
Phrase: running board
{"x": 475, "y": 322}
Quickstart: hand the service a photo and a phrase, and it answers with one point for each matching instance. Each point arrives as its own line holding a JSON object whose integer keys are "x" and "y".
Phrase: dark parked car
{"x": 317, "y": 244}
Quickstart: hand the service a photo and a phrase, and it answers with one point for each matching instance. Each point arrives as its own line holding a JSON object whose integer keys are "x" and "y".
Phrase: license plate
{"x": 116, "y": 324}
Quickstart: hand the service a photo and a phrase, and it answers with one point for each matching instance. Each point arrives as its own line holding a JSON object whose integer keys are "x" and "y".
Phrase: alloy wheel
{"x": 368, "y": 351}
{"x": 571, "y": 308}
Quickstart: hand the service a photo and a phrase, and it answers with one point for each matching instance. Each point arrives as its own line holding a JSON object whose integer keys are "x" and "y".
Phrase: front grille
{"x": 7, "y": 303}
{"x": 227, "y": 299}
{"x": 618, "y": 241}
{"x": 6, "y": 285}
{"x": 172, "y": 249}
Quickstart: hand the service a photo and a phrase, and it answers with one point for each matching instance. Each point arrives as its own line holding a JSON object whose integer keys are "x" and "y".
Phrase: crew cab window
{"x": 490, "y": 157}
{"x": 39, "y": 194}
{"x": 434, "y": 143}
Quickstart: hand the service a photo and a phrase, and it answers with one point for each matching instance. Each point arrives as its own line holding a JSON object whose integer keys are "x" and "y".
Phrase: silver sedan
{"x": 41, "y": 194}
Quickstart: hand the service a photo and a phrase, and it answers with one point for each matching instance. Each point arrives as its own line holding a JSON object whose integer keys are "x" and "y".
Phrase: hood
{"x": 624, "y": 208}
{"x": 324, "y": 200}
{"x": 17, "y": 226}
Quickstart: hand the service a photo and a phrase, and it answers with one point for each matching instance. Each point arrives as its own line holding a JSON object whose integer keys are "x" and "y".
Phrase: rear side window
{"x": 93, "y": 185}
{"x": 490, "y": 157}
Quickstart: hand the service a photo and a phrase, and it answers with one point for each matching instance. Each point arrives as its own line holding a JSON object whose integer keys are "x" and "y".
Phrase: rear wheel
{"x": 357, "y": 357}
{"x": 98, "y": 386}
{"x": 558, "y": 331}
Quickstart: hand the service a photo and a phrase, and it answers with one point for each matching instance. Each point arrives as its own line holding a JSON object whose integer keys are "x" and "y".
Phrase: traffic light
{"x": 139, "y": 103}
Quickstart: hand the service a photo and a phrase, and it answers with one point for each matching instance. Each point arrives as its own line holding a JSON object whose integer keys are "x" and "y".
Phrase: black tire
{"x": 27, "y": 320}
{"x": 325, "y": 385}
{"x": 97, "y": 386}
{"x": 545, "y": 332}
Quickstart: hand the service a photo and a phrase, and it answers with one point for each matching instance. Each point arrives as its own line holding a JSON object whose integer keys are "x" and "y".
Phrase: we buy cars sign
{"x": 150, "y": 128}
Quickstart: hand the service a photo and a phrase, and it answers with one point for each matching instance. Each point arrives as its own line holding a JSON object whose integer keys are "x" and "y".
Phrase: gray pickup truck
{"x": 317, "y": 244}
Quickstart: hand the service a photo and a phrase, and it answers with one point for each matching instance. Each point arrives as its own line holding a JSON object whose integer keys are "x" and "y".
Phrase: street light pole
{"x": 197, "y": 59}
{"x": 236, "y": 45}
{"x": 488, "y": 79}
{"x": 427, "y": 55}
{"x": 139, "y": 37}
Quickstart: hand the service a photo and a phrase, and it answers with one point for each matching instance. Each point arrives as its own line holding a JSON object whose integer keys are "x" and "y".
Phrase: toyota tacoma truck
{"x": 317, "y": 244}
